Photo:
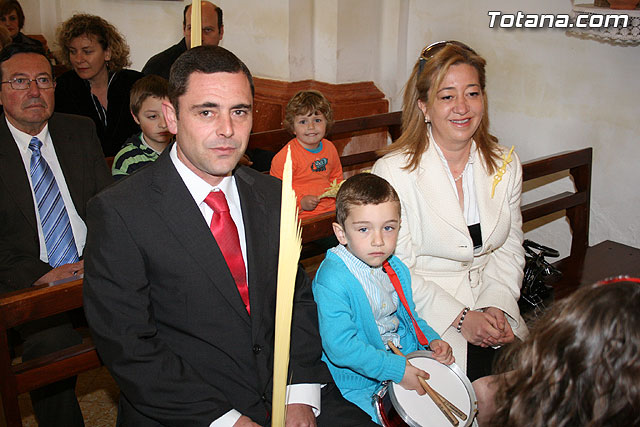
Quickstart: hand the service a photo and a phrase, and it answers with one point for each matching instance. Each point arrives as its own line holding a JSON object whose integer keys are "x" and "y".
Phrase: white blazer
{"x": 435, "y": 244}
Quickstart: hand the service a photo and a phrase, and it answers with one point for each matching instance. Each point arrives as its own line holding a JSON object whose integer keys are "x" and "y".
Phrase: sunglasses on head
{"x": 429, "y": 51}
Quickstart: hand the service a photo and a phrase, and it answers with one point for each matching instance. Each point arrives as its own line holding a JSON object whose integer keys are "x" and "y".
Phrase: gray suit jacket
{"x": 164, "y": 309}
{"x": 85, "y": 172}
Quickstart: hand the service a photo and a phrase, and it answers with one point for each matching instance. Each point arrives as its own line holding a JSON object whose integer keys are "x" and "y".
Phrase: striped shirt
{"x": 382, "y": 297}
{"x": 134, "y": 155}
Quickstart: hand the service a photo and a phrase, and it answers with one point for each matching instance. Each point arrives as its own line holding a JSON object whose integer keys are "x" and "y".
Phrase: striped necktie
{"x": 56, "y": 227}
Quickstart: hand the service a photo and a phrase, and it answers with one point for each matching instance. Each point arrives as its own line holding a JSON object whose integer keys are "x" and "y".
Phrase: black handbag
{"x": 538, "y": 275}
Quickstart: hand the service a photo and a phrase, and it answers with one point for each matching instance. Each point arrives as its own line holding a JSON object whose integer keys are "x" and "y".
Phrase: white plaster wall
{"x": 258, "y": 33}
{"x": 325, "y": 40}
{"x": 359, "y": 31}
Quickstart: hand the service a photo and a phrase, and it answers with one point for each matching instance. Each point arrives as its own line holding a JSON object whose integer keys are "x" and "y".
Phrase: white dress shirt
{"x": 48, "y": 152}
{"x": 308, "y": 394}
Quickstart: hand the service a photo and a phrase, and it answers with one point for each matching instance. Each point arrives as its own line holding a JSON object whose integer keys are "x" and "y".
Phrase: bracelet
{"x": 464, "y": 313}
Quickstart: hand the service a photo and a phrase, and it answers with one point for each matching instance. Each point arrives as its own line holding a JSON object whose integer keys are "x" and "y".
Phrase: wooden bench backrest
{"x": 23, "y": 306}
{"x": 576, "y": 204}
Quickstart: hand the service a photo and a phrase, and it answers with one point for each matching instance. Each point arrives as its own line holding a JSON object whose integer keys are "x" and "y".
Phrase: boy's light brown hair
{"x": 146, "y": 87}
{"x": 363, "y": 189}
{"x": 307, "y": 102}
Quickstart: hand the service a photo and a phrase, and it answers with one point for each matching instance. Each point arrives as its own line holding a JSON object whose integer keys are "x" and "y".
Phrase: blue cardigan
{"x": 351, "y": 343}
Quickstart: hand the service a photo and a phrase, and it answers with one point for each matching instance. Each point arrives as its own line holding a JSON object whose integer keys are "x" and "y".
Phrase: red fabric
{"x": 398, "y": 287}
{"x": 308, "y": 178}
{"x": 226, "y": 234}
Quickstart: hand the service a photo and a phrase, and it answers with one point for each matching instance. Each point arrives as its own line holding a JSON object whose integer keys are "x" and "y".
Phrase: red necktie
{"x": 398, "y": 287}
{"x": 226, "y": 234}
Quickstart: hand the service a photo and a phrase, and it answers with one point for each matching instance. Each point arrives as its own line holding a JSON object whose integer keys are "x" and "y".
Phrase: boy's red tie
{"x": 226, "y": 234}
{"x": 398, "y": 287}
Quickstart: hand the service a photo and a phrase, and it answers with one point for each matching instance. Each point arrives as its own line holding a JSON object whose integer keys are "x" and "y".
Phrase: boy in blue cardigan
{"x": 359, "y": 307}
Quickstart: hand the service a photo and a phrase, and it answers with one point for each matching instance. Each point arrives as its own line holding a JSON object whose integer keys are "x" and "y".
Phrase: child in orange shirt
{"x": 315, "y": 160}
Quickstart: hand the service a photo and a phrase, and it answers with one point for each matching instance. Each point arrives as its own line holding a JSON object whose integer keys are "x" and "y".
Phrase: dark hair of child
{"x": 363, "y": 189}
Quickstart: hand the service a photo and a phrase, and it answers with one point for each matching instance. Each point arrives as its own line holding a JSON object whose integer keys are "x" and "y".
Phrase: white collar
{"x": 197, "y": 186}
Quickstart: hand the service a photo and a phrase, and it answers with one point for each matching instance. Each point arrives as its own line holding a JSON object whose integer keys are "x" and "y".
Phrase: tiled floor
{"x": 98, "y": 397}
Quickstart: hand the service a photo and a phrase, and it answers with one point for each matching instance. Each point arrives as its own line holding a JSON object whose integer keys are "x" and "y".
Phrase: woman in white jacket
{"x": 461, "y": 233}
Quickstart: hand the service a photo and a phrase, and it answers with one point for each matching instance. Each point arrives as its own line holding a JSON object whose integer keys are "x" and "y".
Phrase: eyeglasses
{"x": 429, "y": 51}
{"x": 22, "y": 83}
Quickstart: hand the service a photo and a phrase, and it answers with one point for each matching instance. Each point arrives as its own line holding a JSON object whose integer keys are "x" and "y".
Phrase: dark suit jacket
{"x": 160, "y": 64}
{"x": 73, "y": 96}
{"x": 85, "y": 172}
{"x": 165, "y": 312}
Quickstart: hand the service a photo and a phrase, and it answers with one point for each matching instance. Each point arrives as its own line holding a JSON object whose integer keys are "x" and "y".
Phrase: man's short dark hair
{"x": 184, "y": 16}
{"x": 363, "y": 189}
{"x": 16, "y": 48}
{"x": 8, "y": 6}
{"x": 203, "y": 59}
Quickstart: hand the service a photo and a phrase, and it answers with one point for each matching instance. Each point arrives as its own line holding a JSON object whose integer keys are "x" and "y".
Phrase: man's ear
{"x": 221, "y": 31}
{"x": 170, "y": 116}
{"x": 135, "y": 118}
{"x": 340, "y": 234}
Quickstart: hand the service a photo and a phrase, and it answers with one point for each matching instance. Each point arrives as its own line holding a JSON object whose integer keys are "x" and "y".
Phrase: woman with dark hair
{"x": 461, "y": 233}
{"x": 12, "y": 17}
{"x": 98, "y": 86}
{"x": 579, "y": 367}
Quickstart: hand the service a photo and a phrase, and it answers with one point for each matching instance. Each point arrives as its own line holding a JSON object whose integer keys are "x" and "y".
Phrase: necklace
{"x": 459, "y": 176}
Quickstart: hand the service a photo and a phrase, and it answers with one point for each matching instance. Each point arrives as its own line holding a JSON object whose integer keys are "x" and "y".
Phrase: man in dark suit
{"x": 212, "y": 32}
{"x": 62, "y": 153}
{"x": 164, "y": 295}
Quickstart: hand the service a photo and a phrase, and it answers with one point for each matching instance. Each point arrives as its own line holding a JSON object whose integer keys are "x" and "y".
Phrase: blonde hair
{"x": 429, "y": 73}
{"x": 92, "y": 26}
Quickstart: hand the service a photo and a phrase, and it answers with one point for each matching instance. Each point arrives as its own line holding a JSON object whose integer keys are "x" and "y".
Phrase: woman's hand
{"x": 309, "y": 202}
{"x": 479, "y": 328}
{"x": 502, "y": 325}
{"x": 442, "y": 352}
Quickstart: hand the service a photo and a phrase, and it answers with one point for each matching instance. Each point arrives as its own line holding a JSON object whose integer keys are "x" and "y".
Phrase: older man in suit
{"x": 50, "y": 165}
{"x": 181, "y": 280}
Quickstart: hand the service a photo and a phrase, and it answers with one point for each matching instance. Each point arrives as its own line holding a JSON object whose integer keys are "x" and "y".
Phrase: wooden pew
{"x": 585, "y": 264}
{"x": 17, "y": 308}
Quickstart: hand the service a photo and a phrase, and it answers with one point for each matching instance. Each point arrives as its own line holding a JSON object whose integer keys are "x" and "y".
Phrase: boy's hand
{"x": 410, "y": 378}
{"x": 309, "y": 202}
{"x": 442, "y": 352}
